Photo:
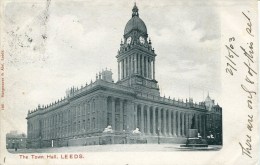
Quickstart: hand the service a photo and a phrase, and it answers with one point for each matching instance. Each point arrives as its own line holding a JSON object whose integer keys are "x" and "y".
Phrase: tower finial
{"x": 135, "y": 11}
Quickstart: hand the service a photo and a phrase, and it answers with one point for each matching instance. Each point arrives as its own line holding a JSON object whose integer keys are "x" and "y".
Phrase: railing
{"x": 178, "y": 102}
{"x": 74, "y": 92}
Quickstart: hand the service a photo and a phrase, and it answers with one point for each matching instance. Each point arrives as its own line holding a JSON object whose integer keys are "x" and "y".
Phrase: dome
{"x": 208, "y": 99}
{"x": 135, "y": 23}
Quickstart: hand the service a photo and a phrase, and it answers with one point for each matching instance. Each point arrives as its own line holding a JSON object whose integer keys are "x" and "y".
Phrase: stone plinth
{"x": 195, "y": 141}
{"x": 193, "y": 133}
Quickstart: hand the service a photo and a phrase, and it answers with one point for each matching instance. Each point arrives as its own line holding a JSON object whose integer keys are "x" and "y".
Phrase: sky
{"x": 52, "y": 47}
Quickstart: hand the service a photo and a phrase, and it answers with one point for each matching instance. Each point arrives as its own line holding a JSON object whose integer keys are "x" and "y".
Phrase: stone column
{"x": 174, "y": 123}
{"x": 197, "y": 121}
{"x": 190, "y": 120}
{"x": 204, "y": 126}
{"x": 182, "y": 124}
{"x": 151, "y": 68}
{"x": 121, "y": 114}
{"x": 187, "y": 124}
{"x": 154, "y": 125}
{"x": 154, "y": 68}
{"x": 135, "y": 116}
{"x": 132, "y": 63}
{"x": 179, "y": 124}
{"x": 142, "y": 119}
{"x": 169, "y": 123}
{"x": 128, "y": 120}
{"x": 143, "y": 65}
{"x": 130, "y": 66}
{"x": 148, "y": 121}
{"x": 123, "y": 63}
{"x": 118, "y": 63}
{"x": 86, "y": 113}
{"x": 126, "y": 67}
{"x": 164, "y": 122}
{"x": 113, "y": 113}
{"x": 129, "y": 115}
{"x": 139, "y": 64}
{"x": 135, "y": 63}
{"x": 200, "y": 122}
{"x": 104, "y": 112}
{"x": 90, "y": 116}
{"x": 75, "y": 119}
{"x": 67, "y": 123}
{"x": 159, "y": 121}
{"x": 122, "y": 69}
{"x": 98, "y": 111}
{"x": 147, "y": 68}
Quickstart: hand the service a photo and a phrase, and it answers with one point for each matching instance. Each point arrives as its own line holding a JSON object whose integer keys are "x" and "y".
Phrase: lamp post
{"x": 158, "y": 130}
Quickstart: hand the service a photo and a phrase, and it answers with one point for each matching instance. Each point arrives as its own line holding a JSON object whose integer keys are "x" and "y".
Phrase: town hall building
{"x": 130, "y": 110}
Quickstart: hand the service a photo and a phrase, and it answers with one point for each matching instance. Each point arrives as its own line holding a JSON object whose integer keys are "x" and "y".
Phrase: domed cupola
{"x": 135, "y": 23}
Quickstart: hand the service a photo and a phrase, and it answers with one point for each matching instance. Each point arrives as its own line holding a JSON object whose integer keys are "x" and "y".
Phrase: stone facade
{"x": 132, "y": 102}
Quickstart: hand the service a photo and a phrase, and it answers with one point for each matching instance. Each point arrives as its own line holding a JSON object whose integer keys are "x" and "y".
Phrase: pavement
{"x": 119, "y": 148}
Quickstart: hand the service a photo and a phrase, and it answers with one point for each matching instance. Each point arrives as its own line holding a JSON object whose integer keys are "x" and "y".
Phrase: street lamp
{"x": 158, "y": 130}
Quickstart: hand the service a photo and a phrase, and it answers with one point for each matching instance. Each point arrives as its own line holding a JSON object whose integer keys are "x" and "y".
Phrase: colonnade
{"x": 136, "y": 64}
{"x": 118, "y": 114}
{"x": 152, "y": 120}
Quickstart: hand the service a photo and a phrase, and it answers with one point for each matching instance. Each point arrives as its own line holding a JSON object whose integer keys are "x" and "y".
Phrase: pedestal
{"x": 194, "y": 141}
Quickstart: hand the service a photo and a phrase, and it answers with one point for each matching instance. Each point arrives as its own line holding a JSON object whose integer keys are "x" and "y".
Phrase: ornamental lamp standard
{"x": 158, "y": 130}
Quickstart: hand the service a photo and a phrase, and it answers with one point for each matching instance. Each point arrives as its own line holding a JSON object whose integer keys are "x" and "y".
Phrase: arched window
{"x": 93, "y": 123}
{"x": 93, "y": 106}
{"x": 84, "y": 125}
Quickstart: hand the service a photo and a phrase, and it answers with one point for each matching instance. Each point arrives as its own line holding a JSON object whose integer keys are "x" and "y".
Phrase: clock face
{"x": 141, "y": 39}
{"x": 128, "y": 41}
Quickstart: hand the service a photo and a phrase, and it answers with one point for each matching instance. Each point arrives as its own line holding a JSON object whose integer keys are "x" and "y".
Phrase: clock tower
{"x": 136, "y": 57}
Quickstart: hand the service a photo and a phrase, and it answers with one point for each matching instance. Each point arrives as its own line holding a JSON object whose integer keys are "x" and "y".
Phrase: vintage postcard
{"x": 170, "y": 82}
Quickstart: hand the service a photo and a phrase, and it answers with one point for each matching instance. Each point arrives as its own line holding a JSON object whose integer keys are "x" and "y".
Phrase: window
{"x": 83, "y": 109}
{"x": 88, "y": 107}
{"x": 93, "y": 123}
{"x": 78, "y": 110}
{"x": 88, "y": 124}
{"x": 93, "y": 106}
{"x": 84, "y": 125}
{"x": 79, "y": 126}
